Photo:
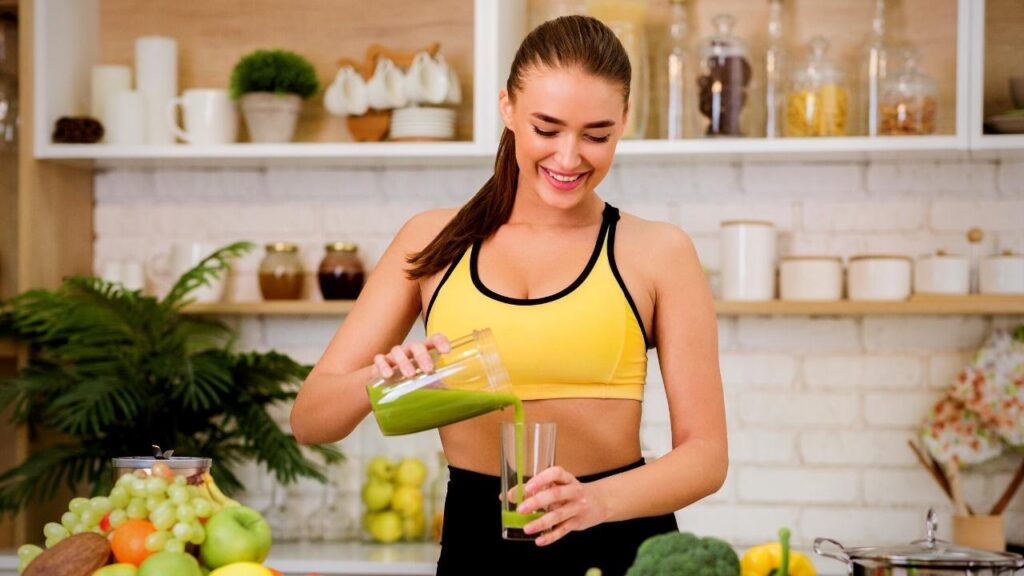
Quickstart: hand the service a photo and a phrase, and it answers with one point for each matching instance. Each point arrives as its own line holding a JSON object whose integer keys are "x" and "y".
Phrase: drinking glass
{"x": 527, "y": 448}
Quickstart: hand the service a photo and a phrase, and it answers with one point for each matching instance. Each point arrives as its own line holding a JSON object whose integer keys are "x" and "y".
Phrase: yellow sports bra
{"x": 586, "y": 341}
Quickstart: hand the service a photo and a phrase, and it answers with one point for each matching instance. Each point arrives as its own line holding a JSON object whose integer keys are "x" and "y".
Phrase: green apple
{"x": 413, "y": 526}
{"x": 235, "y": 534}
{"x": 386, "y": 526}
{"x": 377, "y": 494}
{"x": 242, "y": 569}
{"x": 381, "y": 468}
{"x": 408, "y": 500}
{"x": 119, "y": 569}
{"x": 411, "y": 472}
{"x": 170, "y": 564}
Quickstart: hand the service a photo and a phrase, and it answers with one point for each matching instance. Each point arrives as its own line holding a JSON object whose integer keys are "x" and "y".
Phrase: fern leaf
{"x": 204, "y": 273}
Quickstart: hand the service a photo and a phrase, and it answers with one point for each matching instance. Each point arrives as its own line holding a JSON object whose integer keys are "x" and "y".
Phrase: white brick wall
{"x": 819, "y": 409}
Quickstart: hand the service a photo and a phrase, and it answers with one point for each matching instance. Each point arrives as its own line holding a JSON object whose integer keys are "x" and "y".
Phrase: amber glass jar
{"x": 281, "y": 272}
{"x": 341, "y": 272}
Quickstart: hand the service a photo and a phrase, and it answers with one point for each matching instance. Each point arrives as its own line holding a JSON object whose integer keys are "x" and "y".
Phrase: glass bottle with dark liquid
{"x": 341, "y": 272}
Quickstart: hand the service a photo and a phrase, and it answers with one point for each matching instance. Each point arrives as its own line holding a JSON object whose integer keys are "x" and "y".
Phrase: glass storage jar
{"x": 817, "y": 103}
{"x": 627, "y": 19}
{"x": 722, "y": 84}
{"x": 341, "y": 272}
{"x": 909, "y": 104}
{"x": 281, "y": 272}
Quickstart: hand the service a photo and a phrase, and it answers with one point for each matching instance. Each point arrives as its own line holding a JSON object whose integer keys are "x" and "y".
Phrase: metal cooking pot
{"x": 928, "y": 557}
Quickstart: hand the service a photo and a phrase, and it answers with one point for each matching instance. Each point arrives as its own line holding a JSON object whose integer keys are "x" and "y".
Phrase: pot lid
{"x": 928, "y": 552}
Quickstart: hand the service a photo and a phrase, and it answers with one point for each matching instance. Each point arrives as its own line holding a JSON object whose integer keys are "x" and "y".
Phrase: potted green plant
{"x": 271, "y": 85}
{"x": 114, "y": 371}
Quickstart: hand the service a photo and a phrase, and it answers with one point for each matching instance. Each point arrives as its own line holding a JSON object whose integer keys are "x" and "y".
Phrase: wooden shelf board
{"x": 917, "y": 305}
{"x": 276, "y": 308}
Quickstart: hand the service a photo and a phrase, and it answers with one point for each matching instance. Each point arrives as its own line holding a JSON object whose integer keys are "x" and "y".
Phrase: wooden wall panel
{"x": 1004, "y": 52}
{"x": 212, "y": 36}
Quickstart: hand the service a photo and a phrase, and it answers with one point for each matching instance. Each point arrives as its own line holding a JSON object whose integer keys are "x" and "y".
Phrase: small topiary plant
{"x": 277, "y": 71}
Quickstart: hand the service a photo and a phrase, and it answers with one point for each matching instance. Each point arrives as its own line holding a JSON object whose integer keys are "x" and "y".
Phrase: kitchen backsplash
{"x": 819, "y": 409}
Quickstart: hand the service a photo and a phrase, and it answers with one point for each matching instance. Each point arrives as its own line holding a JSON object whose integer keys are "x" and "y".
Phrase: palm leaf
{"x": 204, "y": 273}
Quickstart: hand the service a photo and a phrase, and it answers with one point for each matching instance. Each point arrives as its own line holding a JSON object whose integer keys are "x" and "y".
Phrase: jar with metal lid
{"x": 927, "y": 557}
{"x": 725, "y": 74}
{"x": 341, "y": 272}
{"x": 281, "y": 272}
{"x": 909, "y": 104}
{"x": 817, "y": 101}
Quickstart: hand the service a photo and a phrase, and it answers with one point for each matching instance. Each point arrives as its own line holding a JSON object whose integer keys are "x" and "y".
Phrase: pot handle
{"x": 842, "y": 556}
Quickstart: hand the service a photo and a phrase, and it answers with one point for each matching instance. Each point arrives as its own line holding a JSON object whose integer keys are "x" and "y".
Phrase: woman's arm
{"x": 685, "y": 330}
{"x": 333, "y": 399}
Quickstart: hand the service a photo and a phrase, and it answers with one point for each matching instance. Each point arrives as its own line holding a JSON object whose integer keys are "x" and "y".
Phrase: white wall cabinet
{"x": 69, "y": 36}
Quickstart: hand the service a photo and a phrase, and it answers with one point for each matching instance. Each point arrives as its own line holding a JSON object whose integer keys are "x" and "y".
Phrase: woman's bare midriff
{"x": 585, "y": 444}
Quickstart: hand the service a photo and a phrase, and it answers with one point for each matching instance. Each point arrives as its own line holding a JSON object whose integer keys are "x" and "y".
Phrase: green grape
{"x": 203, "y": 507}
{"x": 89, "y": 518}
{"x": 69, "y": 520}
{"x": 182, "y": 531}
{"x": 137, "y": 509}
{"x": 23, "y": 565}
{"x": 79, "y": 528}
{"x": 54, "y": 530}
{"x": 153, "y": 502}
{"x": 163, "y": 518}
{"x": 186, "y": 513}
{"x": 198, "y": 533}
{"x": 156, "y": 486}
{"x": 101, "y": 505}
{"x": 78, "y": 505}
{"x": 117, "y": 517}
{"x": 119, "y": 496}
{"x": 51, "y": 542}
{"x": 180, "y": 480}
{"x": 28, "y": 552}
{"x": 178, "y": 494}
{"x": 193, "y": 492}
{"x": 155, "y": 542}
{"x": 174, "y": 545}
{"x": 97, "y": 530}
{"x": 138, "y": 487}
{"x": 167, "y": 505}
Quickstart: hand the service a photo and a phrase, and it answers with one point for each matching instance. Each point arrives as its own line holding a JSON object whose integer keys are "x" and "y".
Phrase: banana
{"x": 216, "y": 495}
{"x": 203, "y": 491}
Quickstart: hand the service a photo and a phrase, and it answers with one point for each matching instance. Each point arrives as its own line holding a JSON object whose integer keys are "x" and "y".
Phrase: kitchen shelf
{"x": 275, "y": 308}
{"x": 919, "y": 304}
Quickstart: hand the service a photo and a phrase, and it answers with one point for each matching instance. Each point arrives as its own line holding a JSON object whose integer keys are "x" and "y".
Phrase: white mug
{"x": 454, "y": 96}
{"x": 426, "y": 80}
{"x": 210, "y": 117}
{"x": 180, "y": 258}
{"x": 124, "y": 112}
{"x": 385, "y": 89}
{"x": 347, "y": 93}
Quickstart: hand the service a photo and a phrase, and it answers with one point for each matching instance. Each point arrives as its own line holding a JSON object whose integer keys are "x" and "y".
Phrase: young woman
{"x": 575, "y": 293}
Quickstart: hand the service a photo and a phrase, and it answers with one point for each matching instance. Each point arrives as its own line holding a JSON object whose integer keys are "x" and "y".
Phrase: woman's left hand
{"x": 569, "y": 504}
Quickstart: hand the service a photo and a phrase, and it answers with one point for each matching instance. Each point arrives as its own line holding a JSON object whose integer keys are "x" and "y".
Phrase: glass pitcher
{"x": 468, "y": 381}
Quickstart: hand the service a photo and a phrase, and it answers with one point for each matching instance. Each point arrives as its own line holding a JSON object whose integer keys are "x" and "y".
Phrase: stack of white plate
{"x": 416, "y": 123}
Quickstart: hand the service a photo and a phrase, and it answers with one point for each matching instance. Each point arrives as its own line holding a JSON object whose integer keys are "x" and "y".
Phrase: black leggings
{"x": 471, "y": 541}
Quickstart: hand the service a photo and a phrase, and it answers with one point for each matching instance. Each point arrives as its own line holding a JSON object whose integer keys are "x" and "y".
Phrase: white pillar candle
{"x": 748, "y": 260}
{"x": 156, "y": 75}
{"x": 106, "y": 80}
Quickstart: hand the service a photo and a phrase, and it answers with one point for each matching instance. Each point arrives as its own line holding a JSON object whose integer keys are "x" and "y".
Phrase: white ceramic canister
{"x": 811, "y": 278}
{"x": 1002, "y": 274}
{"x": 942, "y": 273}
{"x": 879, "y": 277}
{"x": 748, "y": 260}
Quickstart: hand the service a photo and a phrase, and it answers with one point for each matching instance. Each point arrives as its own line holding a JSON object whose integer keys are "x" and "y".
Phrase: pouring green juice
{"x": 467, "y": 381}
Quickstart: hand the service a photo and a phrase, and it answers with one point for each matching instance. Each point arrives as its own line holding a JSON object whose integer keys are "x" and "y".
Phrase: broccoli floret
{"x": 682, "y": 553}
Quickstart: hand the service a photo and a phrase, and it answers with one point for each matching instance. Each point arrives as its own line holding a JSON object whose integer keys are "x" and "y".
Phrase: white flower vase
{"x": 271, "y": 117}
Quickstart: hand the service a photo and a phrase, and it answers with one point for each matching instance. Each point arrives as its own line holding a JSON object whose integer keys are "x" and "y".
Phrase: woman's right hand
{"x": 407, "y": 357}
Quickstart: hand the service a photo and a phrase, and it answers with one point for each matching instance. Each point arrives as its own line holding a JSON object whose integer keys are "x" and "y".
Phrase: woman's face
{"x": 567, "y": 124}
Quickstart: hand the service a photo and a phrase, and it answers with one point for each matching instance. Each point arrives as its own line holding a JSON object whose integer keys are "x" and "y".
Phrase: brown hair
{"x": 579, "y": 42}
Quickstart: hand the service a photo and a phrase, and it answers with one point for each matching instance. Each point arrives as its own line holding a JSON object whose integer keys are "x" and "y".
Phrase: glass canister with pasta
{"x": 817, "y": 103}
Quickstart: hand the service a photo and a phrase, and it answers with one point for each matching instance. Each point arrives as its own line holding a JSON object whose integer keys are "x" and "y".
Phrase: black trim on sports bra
{"x": 618, "y": 277}
{"x": 451, "y": 268}
{"x": 474, "y": 257}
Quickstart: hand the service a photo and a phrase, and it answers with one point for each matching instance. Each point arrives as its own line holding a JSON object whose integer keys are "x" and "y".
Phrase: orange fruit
{"x": 128, "y": 541}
